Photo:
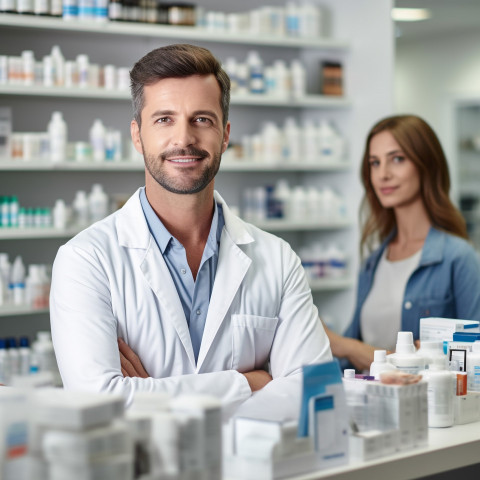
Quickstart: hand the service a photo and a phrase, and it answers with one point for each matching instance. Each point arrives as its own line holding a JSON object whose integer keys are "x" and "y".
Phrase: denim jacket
{"x": 446, "y": 283}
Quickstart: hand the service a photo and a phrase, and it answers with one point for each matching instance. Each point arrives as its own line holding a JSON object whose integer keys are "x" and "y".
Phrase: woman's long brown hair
{"x": 420, "y": 144}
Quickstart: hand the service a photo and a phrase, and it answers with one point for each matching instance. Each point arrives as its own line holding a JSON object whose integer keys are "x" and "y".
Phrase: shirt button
{"x": 198, "y": 312}
{"x": 183, "y": 271}
{"x": 408, "y": 305}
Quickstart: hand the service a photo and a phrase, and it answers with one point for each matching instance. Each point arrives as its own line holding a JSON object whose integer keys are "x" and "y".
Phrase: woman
{"x": 424, "y": 266}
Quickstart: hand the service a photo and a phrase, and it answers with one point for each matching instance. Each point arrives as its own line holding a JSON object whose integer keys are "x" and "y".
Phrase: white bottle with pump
{"x": 57, "y": 135}
{"x": 441, "y": 393}
{"x": 473, "y": 368}
{"x": 380, "y": 364}
{"x": 405, "y": 357}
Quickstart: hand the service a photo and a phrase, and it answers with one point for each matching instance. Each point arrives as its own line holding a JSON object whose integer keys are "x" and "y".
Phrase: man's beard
{"x": 155, "y": 165}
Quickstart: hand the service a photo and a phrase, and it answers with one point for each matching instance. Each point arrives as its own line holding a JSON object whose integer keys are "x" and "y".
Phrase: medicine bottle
{"x": 405, "y": 357}
{"x": 441, "y": 387}
{"x": 431, "y": 351}
{"x": 380, "y": 364}
{"x": 57, "y": 135}
{"x": 473, "y": 368}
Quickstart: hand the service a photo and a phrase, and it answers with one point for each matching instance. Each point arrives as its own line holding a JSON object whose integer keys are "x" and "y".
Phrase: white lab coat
{"x": 111, "y": 281}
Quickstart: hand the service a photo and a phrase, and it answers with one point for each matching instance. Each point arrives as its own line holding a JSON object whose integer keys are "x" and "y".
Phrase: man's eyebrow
{"x": 160, "y": 113}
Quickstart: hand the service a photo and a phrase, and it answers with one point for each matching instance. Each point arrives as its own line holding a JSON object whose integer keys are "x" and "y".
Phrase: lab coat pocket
{"x": 252, "y": 338}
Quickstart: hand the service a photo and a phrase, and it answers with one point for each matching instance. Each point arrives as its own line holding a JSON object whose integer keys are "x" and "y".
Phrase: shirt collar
{"x": 163, "y": 237}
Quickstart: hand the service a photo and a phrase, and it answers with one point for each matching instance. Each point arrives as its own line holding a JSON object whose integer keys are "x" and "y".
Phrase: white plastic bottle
{"x": 292, "y": 141}
{"x": 282, "y": 195}
{"x": 59, "y": 214}
{"x": 14, "y": 356}
{"x": 271, "y": 143}
{"x": 441, "y": 388}
{"x": 405, "y": 357}
{"x": 5, "y": 268}
{"x": 45, "y": 354}
{"x": 58, "y": 66}
{"x": 80, "y": 208}
{"x": 473, "y": 368}
{"x": 24, "y": 353}
{"x": 326, "y": 142}
{"x": 432, "y": 351}
{"x": 97, "y": 203}
{"x": 380, "y": 364}
{"x": 255, "y": 66}
{"x": 28, "y": 67}
{"x": 298, "y": 203}
{"x": 299, "y": 79}
{"x": 4, "y": 363}
{"x": 17, "y": 282}
{"x": 310, "y": 142}
{"x": 57, "y": 135}
{"x": 97, "y": 139}
{"x": 34, "y": 287}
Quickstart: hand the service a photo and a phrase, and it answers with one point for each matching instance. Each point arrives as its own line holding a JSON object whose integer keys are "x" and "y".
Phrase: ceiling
{"x": 448, "y": 16}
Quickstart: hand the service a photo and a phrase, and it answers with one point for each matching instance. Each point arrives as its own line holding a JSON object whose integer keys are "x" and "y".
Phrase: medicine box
{"x": 63, "y": 409}
{"x": 373, "y": 444}
{"x": 440, "y": 329}
{"x": 73, "y": 447}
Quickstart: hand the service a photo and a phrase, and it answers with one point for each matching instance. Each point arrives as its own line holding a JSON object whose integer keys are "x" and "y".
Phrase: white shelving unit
{"x": 240, "y": 166}
{"x": 40, "y": 183}
{"x": 306, "y": 101}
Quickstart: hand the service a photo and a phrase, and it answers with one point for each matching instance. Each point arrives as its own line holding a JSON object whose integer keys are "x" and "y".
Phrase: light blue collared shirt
{"x": 194, "y": 294}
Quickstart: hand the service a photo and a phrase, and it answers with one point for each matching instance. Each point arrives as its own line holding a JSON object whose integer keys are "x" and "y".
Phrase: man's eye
{"x": 202, "y": 120}
{"x": 163, "y": 120}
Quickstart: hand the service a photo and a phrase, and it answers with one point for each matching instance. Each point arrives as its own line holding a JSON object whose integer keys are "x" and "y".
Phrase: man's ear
{"x": 135, "y": 133}
{"x": 226, "y": 137}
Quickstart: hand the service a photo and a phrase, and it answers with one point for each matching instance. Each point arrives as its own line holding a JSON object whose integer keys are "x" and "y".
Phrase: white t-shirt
{"x": 381, "y": 316}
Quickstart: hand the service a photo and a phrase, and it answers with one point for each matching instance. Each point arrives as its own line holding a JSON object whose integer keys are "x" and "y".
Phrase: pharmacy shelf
{"x": 329, "y": 284}
{"x": 239, "y": 166}
{"x": 167, "y": 31}
{"x": 37, "y": 233}
{"x": 316, "y": 286}
{"x": 40, "y": 165}
{"x": 12, "y": 310}
{"x": 297, "y": 166}
{"x": 288, "y": 226}
{"x": 306, "y": 101}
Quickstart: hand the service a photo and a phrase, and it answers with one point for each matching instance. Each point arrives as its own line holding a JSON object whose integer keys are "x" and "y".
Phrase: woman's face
{"x": 394, "y": 177}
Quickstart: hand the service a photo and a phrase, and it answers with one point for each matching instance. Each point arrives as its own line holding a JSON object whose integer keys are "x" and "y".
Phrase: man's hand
{"x": 131, "y": 364}
{"x": 257, "y": 379}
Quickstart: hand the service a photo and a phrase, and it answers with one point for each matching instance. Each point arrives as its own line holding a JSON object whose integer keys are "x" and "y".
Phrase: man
{"x": 197, "y": 298}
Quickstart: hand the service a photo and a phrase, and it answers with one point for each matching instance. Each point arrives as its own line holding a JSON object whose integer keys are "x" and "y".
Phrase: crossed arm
{"x": 132, "y": 367}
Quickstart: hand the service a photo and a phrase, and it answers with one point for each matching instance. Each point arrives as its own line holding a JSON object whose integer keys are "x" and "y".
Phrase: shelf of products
{"x": 317, "y": 285}
{"x": 144, "y": 37}
{"x": 166, "y": 31}
{"x": 286, "y": 226}
{"x": 14, "y": 310}
{"x": 306, "y": 101}
{"x": 239, "y": 166}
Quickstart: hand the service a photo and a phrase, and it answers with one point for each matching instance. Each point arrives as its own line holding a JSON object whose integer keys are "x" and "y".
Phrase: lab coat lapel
{"x": 232, "y": 266}
{"x": 158, "y": 277}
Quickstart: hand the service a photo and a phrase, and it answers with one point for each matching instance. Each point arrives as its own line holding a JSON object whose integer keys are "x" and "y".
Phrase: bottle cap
{"x": 405, "y": 343}
{"x": 380, "y": 356}
{"x": 24, "y": 342}
{"x": 349, "y": 373}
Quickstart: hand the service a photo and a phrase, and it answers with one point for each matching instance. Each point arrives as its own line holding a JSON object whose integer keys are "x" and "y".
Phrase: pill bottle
{"x": 441, "y": 393}
{"x": 380, "y": 364}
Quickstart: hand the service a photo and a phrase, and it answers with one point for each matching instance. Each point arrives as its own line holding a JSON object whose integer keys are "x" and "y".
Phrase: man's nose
{"x": 183, "y": 135}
